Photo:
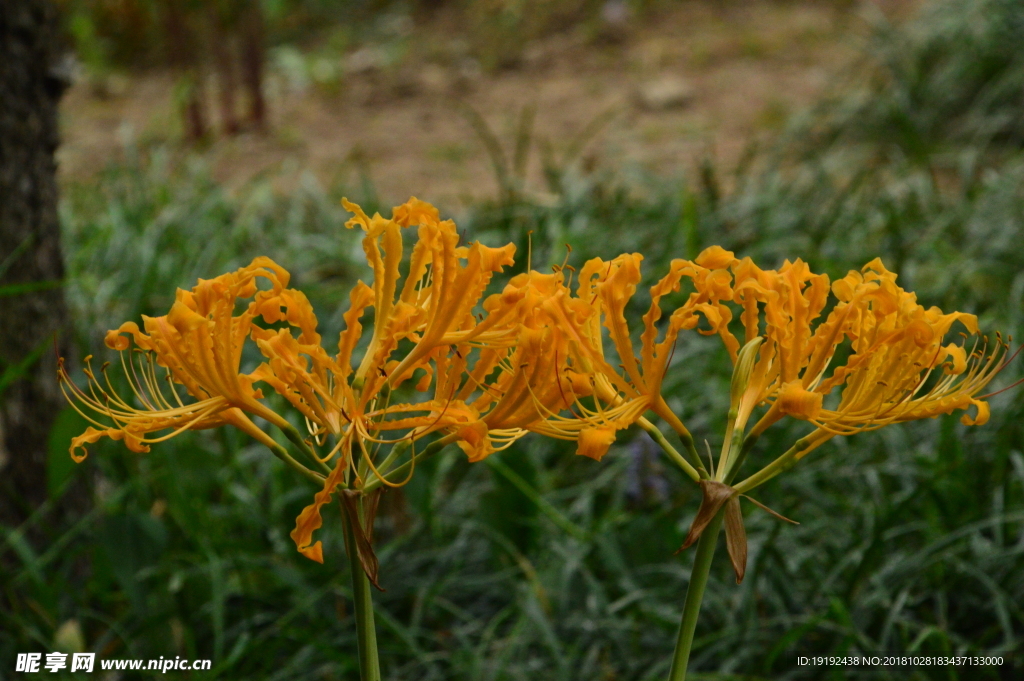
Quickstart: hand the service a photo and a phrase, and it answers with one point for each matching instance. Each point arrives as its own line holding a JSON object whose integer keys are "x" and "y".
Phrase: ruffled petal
{"x": 309, "y": 520}
{"x": 981, "y": 418}
{"x": 475, "y": 441}
{"x": 797, "y": 401}
{"x": 595, "y": 442}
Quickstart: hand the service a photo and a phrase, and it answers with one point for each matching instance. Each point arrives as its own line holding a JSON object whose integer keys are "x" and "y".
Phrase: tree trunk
{"x": 253, "y": 58}
{"x": 182, "y": 55}
{"x": 227, "y": 84}
{"x": 32, "y": 79}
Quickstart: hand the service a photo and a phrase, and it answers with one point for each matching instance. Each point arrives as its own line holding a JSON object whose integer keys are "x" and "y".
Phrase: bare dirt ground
{"x": 699, "y": 80}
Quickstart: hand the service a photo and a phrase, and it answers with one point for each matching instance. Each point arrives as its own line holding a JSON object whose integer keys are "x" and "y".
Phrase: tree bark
{"x": 32, "y": 79}
{"x": 227, "y": 83}
{"x": 182, "y": 55}
{"x": 253, "y": 58}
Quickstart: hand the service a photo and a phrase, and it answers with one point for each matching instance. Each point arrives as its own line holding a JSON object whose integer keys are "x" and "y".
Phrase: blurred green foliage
{"x": 149, "y": 225}
{"x": 539, "y": 564}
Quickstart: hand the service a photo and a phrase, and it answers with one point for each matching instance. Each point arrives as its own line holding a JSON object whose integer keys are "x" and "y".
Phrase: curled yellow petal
{"x": 959, "y": 358}
{"x": 981, "y": 418}
{"x": 716, "y": 258}
{"x": 90, "y": 436}
{"x": 797, "y": 401}
{"x": 360, "y": 218}
{"x": 115, "y": 339}
{"x": 594, "y": 442}
{"x": 309, "y": 520}
{"x": 578, "y": 384}
{"x": 475, "y": 441}
{"x": 414, "y": 212}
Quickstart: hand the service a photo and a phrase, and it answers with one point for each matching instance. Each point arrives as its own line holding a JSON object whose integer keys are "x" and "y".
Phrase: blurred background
{"x": 195, "y": 135}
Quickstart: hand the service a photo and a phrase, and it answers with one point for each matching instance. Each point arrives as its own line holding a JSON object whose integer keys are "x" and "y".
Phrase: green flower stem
{"x": 373, "y": 482}
{"x": 687, "y": 441}
{"x": 729, "y": 445}
{"x": 784, "y": 462}
{"x": 362, "y": 600}
{"x": 282, "y": 453}
{"x": 734, "y": 463}
{"x": 396, "y": 449}
{"x": 293, "y": 435}
{"x": 658, "y": 437}
{"x": 694, "y": 596}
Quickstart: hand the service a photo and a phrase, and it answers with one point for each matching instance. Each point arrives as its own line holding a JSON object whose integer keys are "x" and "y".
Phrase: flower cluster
{"x": 443, "y": 361}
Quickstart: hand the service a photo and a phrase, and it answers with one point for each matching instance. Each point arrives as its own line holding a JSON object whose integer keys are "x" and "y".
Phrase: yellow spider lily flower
{"x": 198, "y": 346}
{"x": 433, "y": 309}
{"x": 895, "y": 347}
{"x": 603, "y": 292}
{"x": 499, "y": 388}
{"x": 538, "y": 375}
{"x": 534, "y": 386}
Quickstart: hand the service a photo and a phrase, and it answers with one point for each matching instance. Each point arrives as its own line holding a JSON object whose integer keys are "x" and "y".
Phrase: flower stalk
{"x": 282, "y": 454}
{"x": 694, "y": 596}
{"x": 402, "y": 470}
{"x": 673, "y": 454}
{"x": 362, "y": 602}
